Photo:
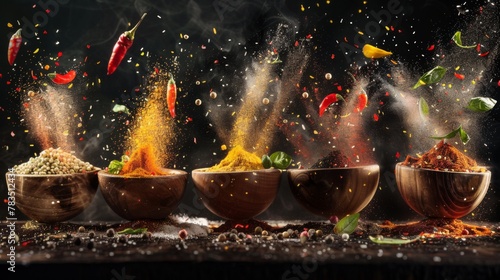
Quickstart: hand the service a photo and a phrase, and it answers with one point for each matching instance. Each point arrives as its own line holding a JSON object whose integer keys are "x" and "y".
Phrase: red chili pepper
{"x": 121, "y": 47}
{"x": 459, "y": 76}
{"x": 14, "y": 46}
{"x": 62, "y": 79}
{"x": 327, "y": 101}
{"x": 171, "y": 95}
{"x": 362, "y": 102}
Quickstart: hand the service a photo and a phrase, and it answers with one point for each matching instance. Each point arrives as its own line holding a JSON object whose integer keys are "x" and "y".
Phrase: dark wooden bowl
{"x": 53, "y": 198}
{"x": 441, "y": 194}
{"x": 149, "y": 197}
{"x": 334, "y": 191}
{"x": 238, "y": 195}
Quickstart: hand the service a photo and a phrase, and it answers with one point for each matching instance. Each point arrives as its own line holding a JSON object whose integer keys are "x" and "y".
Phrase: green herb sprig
{"x": 115, "y": 166}
{"x": 460, "y": 131}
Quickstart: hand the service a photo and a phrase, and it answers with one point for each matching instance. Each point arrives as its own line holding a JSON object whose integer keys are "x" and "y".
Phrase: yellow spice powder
{"x": 238, "y": 159}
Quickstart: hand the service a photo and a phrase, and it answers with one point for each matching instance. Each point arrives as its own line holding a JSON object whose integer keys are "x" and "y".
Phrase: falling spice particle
{"x": 459, "y": 76}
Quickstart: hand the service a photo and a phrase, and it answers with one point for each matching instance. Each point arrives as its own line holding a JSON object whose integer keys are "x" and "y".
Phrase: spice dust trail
{"x": 51, "y": 117}
{"x": 152, "y": 125}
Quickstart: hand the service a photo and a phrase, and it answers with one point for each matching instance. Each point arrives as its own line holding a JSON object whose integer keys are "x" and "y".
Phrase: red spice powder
{"x": 142, "y": 163}
{"x": 445, "y": 157}
{"x": 435, "y": 228}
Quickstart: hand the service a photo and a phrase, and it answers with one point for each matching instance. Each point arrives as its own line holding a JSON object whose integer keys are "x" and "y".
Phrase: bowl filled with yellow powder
{"x": 239, "y": 187}
{"x": 141, "y": 190}
{"x": 442, "y": 183}
{"x": 54, "y": 186}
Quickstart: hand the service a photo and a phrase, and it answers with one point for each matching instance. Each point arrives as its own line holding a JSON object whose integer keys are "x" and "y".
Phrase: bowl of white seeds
{"x": 54, "y": 186}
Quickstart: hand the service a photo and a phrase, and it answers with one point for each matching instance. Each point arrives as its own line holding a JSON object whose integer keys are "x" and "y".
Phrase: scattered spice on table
{"x": 434, "y": 227}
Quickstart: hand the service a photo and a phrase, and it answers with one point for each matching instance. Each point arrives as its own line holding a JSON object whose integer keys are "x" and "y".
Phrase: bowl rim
{"x": 400, "y": 164}
{"x": 263, "y": 170}
{"x": 178, "y": 172}
{"x": 97, "y": 170}
{"x": 375, "y": 165}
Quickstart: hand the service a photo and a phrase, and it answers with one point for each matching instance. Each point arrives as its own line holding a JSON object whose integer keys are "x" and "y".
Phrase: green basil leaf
{"x": 121, "y": 108}
{"x": 395, "y": 241}
{"x": 464, "y": 137}
{"x": 457, "y": 38}
{"x": 481, "y": 104}
{"x": 115, "y": 166}
{"x": 430, "y": 77}
{"x": 348, "y": 224}
{"x": 423, "y": 108}
{"x": 133, "y": 231}
{"x": 266, "y": 161}
{"x": 280, "y": 160}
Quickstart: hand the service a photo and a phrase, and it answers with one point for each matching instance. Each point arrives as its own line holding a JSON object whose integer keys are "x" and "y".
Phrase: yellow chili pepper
{"x": 373, "y": 52}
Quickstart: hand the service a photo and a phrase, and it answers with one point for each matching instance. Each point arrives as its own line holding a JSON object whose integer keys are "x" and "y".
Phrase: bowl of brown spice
{"x": 239, "y": 188}
{"x": 334, "y": 186}
{"x": 140, "y": 190}
{"x": 442, "y": 183}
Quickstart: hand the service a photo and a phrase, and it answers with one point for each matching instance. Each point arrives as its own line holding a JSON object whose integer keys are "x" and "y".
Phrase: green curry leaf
{"x": 348, "y": 224}
{"x": 464, "y": 137}
{"x": 383, "y": 240}
{"x": 280, "y": 160}
{"x": 133, "y": 231}
{"x": 432, "y": 76}
{"x": 481, "y": 104}
{"x": 457, "y": 38}
{"x": 423, "y": 108}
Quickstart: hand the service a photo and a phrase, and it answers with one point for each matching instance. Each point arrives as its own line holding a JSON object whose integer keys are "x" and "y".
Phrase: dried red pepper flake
{"x": 88, "y": 46}
{"x": 484, "y": 54}
{"x": 431, "y": 48}
{"x": 498, "y": 83}
{"x": 296, "y": 44}
{"x": 332, "y": 56}
{"x": 59, "y": 54}
{"x": 459, "y": 76}
{"x": 398, "y": 154}
{"x": 375, "y": 117}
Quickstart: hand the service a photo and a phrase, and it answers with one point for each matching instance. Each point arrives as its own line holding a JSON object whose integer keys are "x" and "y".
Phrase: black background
{"x": 89, "y": 29}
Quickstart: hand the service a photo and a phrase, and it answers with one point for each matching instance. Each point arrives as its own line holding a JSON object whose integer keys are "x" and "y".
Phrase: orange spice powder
{"x": 444, "y": 156}
{"x": 142, "y": 163}
{"x": 152, "y": 135}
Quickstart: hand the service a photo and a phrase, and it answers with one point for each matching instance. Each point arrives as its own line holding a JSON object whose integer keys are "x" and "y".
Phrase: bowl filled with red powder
{"x": 239, "y": 188}
{"x": 140, "y": 189}
{"x": 442, "y": 183}
{"x": 334, "y": 185}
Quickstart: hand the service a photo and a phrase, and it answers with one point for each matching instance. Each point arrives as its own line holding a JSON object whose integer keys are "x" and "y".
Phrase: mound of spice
{"x": 142, "y": 162}
{"x": 238, "y": 159}
{"x": 332, "y": 160}
{"x": 444, "y": 157}
{"x": 54, "y": 161}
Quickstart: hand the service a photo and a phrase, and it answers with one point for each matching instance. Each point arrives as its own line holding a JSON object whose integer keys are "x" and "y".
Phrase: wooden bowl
{"x": 334, "y": 191}
{"x": 441, "y": 194}
{"x": 53, "y": 198}
{"x": 149, "y": 197}
{"x": 237, "y": 195}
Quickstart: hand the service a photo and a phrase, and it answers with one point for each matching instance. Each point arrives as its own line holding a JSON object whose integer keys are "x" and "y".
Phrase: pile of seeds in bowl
{"x": 54, "y": 161}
